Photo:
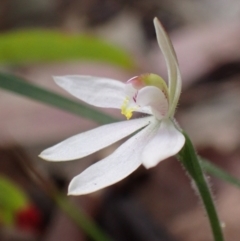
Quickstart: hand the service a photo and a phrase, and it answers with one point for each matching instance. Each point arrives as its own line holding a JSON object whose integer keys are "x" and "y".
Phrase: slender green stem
{"x": 190, "y": 160}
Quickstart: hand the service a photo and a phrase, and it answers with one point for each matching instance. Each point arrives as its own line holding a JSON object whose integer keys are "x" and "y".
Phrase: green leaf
{"x": 218, "y": 172}
{"x": 44, "y": 46}
{"x": 190, "y": 161}
{"x": 20, "y": 86}
{"x": 12, "y": 199}
{"x": 11, "y": 196}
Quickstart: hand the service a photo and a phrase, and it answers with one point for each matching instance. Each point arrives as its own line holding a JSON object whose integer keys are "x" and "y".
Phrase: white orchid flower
{"x": 157, "y": 135}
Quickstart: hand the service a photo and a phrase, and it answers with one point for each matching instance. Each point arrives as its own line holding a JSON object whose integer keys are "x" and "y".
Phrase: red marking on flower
{"x": 136, "y": 82}
{"x": 135, "y": 97}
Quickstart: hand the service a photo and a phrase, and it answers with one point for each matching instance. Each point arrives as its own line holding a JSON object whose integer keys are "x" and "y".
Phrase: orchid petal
{"x": 174, "y": 77}
{"x": 167, "y": 142}
{"x": 115, "y": 167}
{"x": 88, "y": 142}
{"x": 155, "y": 98}
{"x": 100, "y": 92}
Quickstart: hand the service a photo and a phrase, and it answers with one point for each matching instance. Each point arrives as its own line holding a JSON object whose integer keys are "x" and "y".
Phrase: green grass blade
{"x": 19, "y": 86}
{"x": 218, "y": 172}
{"x": 80, "y": 218}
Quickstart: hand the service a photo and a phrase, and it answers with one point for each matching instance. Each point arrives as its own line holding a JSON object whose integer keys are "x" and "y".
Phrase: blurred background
{"x": 116, "y": 39}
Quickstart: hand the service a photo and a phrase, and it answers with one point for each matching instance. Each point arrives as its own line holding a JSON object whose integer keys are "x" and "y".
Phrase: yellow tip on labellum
{"x": 125, "y": 110}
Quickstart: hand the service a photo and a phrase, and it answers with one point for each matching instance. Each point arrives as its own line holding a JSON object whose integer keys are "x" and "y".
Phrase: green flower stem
{"x": 190, "y": 161}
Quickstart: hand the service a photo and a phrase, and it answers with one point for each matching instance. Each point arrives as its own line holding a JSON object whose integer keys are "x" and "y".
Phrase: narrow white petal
{"x": 153, "y": 97}
{"x": 100, "y": 92}
{"x": 174, "y": 77}
{"x": 88, "y": 142}
{"x": 167, "y": 142}
{"x": 117, "y": 166}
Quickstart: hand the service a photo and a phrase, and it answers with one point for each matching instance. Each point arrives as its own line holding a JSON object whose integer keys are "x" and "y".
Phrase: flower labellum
{"x": 158, "y": 136}
{"x": 147, "y": 91}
